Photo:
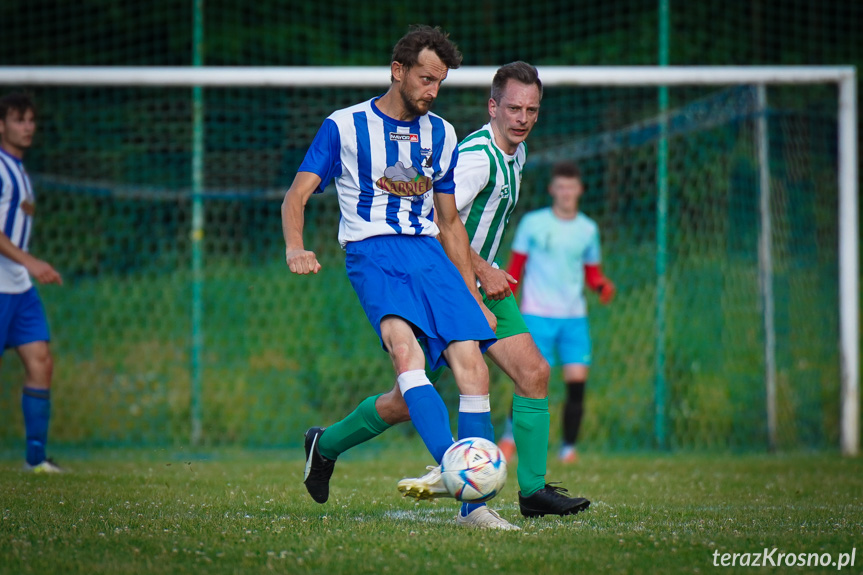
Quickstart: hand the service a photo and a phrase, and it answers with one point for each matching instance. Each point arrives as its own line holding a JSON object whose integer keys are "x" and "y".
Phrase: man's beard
{"x": 411, "y": 106}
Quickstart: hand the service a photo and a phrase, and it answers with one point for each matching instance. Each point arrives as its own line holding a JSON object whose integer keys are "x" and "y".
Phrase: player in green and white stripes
{"x": 487, "y": 183}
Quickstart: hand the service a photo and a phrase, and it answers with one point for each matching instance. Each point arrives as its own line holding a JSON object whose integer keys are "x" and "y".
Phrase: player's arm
{"x": 455, "y": 243}
{"x": 494, "y": 281}
{"x": 598, "y": 282}
{"x": 299, "y": 260}
{"x": 41, "y": 270}
{"x": 593, "y": 276}
{"x": 470, "y": 176}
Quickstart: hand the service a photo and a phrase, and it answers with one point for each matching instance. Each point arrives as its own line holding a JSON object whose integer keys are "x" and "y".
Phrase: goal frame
{"x": 844, "y": 77}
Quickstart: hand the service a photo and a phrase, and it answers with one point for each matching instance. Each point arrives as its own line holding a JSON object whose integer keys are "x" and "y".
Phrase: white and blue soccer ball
{"x": 473, "y": 470}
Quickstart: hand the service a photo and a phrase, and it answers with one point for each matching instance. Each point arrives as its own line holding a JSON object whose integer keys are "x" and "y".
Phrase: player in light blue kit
{"x": 557, "y": 252}
{"x": 23, "y": 324}
{"x": 392, "y": 161}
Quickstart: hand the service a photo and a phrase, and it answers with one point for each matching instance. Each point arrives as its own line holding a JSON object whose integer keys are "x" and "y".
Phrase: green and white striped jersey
{"x": 487, "y": 184}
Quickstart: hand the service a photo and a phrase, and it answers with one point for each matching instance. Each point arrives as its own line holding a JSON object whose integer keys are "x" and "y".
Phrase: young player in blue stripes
{"x": 392, "y": 161}
{"x": 23, "y": 324}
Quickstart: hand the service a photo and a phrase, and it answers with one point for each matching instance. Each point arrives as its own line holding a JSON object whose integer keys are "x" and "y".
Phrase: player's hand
{"x": 489, "y": 317}
{"x": 302, "y": 261}
{"x": 495, "y": 282}
{"x": 606, "y": 292}
{"x": 43, "y": 272}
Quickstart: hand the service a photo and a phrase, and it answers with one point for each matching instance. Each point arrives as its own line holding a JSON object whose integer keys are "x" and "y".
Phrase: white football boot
{"x": 429, "y": 486}
{"x": 485, "y": 518}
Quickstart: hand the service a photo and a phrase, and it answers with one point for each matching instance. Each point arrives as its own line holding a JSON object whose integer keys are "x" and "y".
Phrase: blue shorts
{"x": 563, "y": 339}
{"x": 411, "y": 277}
{"x": 22, "y": 319}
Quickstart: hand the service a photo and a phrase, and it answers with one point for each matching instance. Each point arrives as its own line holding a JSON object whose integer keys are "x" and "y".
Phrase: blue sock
{"x": 430, "y": 418}
{"x": 474, "y": 424}
{"x": 36, "y": 406}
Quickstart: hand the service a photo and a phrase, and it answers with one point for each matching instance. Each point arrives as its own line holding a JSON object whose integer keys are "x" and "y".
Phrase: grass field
{"x": 248, "y": 512}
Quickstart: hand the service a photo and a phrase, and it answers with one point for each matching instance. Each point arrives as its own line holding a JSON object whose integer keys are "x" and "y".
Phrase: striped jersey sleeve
{"x": 488, "y": 183}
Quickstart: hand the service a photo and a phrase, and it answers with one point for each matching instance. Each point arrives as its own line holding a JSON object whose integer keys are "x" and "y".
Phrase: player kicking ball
{"x": 392, "y": 161}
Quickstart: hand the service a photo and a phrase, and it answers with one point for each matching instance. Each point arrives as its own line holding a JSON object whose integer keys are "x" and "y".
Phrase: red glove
{"x": 596, "y": 281}
{"x": 516, "y": 268}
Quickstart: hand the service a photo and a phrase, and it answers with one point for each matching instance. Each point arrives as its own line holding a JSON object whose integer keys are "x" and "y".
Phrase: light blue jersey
{"x": 16, "y": 208}
{"x": 385, "y": 170}
{"x": 557, "y": 250}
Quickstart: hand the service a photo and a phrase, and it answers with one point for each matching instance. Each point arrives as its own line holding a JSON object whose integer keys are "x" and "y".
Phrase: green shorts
{"x": 509, "y": 320}
{"x": 509, "y": 323}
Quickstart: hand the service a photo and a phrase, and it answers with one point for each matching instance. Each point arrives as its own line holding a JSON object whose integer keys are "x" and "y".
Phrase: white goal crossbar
{"x": 845, "y": 77}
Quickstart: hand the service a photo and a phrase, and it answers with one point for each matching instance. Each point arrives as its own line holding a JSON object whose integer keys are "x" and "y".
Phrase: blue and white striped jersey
{"x": 385, "y": 170}
{"x": 16, "y": 216}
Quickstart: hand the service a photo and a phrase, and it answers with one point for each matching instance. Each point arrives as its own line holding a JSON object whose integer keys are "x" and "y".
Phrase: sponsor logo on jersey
{"x": 396, "y": 137}
{"x": 400, "y": 180}
{"x": 427, "y": 154}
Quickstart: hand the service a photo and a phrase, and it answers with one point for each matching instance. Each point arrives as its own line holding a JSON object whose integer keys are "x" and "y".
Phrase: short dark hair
{"x": 18, "y": 101}
{"x": 519, "y": 71}
{"x": 407, "y": 50}
{"x": 566, "y": 170}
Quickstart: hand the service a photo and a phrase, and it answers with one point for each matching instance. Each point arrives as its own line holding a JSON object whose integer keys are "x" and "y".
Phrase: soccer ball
{"x": 473, "y": 470}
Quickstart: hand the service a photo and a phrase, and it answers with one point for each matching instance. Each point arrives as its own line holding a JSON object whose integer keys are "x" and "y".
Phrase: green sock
{"x": 359, "y": 426}
{"x": 530, "y": 426}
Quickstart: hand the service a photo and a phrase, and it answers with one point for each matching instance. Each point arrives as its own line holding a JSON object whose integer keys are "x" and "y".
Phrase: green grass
{"x": 238, "y": 512}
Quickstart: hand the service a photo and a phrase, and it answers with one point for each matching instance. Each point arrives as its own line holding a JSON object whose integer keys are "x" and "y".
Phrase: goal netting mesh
{"x": 151, "y": 333}
{"x": 112, "y": 168}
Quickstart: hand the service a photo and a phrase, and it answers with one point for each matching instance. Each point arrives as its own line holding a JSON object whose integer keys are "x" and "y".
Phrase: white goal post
{"x": 844, "y": 77}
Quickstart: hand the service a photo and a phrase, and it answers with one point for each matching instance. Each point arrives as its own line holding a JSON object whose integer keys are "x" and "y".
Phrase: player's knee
{"x": 532, "y": 379}
{"x": 40, "y": 369}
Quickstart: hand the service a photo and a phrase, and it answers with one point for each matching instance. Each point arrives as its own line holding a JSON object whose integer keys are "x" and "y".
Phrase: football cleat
{"x": 485, "y": 518}
{"x": 551, "y": 500}
{"x": 568, "y": 455}
{"x": 46, "y": 466}
{"x": 319, "y": 469}
{"x": 429, "y": 486}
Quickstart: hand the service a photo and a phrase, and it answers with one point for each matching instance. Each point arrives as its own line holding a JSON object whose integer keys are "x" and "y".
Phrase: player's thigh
{"x": 520, "y": 359}
{"x": 574, "y": 347}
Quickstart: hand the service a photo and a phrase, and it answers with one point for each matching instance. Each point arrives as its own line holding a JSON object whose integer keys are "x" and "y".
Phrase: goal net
{"x": 720, "y": 217}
